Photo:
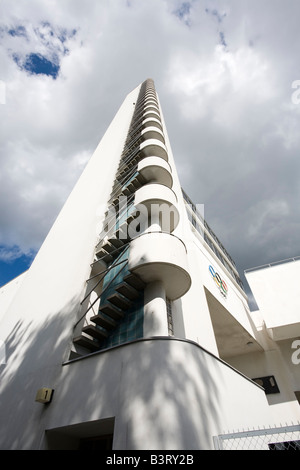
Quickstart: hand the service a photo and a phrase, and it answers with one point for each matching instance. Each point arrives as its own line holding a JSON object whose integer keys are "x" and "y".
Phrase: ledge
{"x": 158, "y": 256}
{"x": 161, "y": 338}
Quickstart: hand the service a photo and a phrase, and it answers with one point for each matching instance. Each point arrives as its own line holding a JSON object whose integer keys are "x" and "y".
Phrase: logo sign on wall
{"x": 221, "y": 284}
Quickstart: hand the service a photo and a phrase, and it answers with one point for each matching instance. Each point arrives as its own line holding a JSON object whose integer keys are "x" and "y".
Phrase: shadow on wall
{"x": 176, "y": 394}
{"x": 35, "y": 351}
{"x": 162, "y": 393}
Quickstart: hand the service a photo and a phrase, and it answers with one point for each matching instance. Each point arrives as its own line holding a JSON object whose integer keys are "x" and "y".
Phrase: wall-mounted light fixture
{"x": 44, "y": 395}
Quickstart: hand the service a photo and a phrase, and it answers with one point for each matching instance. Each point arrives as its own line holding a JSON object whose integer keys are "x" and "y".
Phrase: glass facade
{"x": 131, "y": 325}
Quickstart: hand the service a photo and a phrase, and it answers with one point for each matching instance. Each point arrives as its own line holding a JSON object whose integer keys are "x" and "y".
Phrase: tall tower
{"x": 123, "y": 331}
{"x": 140, "y": 265}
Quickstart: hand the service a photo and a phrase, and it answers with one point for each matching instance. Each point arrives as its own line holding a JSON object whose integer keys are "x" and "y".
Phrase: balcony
{"x": 275, "y": 288}
{"x": 151, "y": 113}
{"x": 153, "y": 122}
{"x": 151, "y": 95}
{"x": 153, "y": 148}
{"x": 152, "y": 132}
{"x": 155, "y": 169}
{"x": 150, "y": 101}
{"x": 161, "y": 257}
{"x": 158, "y": 200}
{"x": 151, "y": 107}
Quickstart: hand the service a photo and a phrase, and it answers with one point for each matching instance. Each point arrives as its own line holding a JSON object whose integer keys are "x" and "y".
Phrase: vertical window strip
{"x": 170, "y": 318}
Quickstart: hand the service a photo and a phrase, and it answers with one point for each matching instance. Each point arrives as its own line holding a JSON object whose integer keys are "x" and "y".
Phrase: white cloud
{"x": 224, "y": 73}
{"x": 228, "y": 87}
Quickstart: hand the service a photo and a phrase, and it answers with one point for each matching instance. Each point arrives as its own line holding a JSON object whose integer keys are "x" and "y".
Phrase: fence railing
{"x": 279, "y": 438}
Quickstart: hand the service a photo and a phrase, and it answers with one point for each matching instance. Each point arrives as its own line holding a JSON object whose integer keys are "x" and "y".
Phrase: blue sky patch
{"x": 13, "y": 263}
{"x": 37, "y": 64}
{"x": 48, "y": 44}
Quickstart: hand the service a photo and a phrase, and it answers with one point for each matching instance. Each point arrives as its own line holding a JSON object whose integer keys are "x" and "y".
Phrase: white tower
{"x": 128, "y": 313}
{"x": 140, "y": 264}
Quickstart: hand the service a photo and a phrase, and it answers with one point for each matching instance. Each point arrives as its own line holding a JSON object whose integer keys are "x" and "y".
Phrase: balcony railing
{"x": 275, "y": 263}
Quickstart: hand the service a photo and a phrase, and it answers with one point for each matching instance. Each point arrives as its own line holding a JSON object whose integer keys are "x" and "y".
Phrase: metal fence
{"x": 281, "y": 438}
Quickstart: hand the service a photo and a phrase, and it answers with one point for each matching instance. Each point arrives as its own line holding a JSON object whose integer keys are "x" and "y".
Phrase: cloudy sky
{"x": 227, "y": 74}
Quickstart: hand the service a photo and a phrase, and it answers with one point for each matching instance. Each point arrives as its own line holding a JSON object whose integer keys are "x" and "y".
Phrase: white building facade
{"x": 131, "y": 329}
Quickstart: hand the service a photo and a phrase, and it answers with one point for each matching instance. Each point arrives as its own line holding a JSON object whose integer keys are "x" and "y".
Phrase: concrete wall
{"x": 280, "y": 359}
{"x": 276, "y": 291}
{"x": 37, "y": 326}
{"x": 197, "y": 323}
{"x": 163, "y": 394}
{"x": 8, "y": 292}
{"x": 278, "y": 363}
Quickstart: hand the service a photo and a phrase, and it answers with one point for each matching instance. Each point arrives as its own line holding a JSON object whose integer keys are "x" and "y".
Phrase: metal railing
{"x": 103, "y": 273}
{"x": 275, "y": 263}
{"x": 278, "y": 438}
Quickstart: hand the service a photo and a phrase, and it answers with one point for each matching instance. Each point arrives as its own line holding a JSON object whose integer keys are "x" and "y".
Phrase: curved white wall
{"x": 161, "y": 256}
{"x": 164, "y": 394}
{"x": 156, "y": 169}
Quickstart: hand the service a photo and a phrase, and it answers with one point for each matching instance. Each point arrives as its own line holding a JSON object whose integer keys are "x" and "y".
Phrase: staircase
{"x": 110, "y": 313}
{"x": 120, "y": 291}
{"x": 128, "y": 190}
{"x": 121, "y": 295}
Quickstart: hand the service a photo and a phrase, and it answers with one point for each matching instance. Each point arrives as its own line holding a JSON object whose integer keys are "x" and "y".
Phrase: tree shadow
{"x": 161, "y": 391}
{"x": 35, "y": 350}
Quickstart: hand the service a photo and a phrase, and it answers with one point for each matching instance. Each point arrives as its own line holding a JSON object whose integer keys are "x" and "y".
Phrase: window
{"x": 268, "y": 383}
{"x": 170, "y": 318}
